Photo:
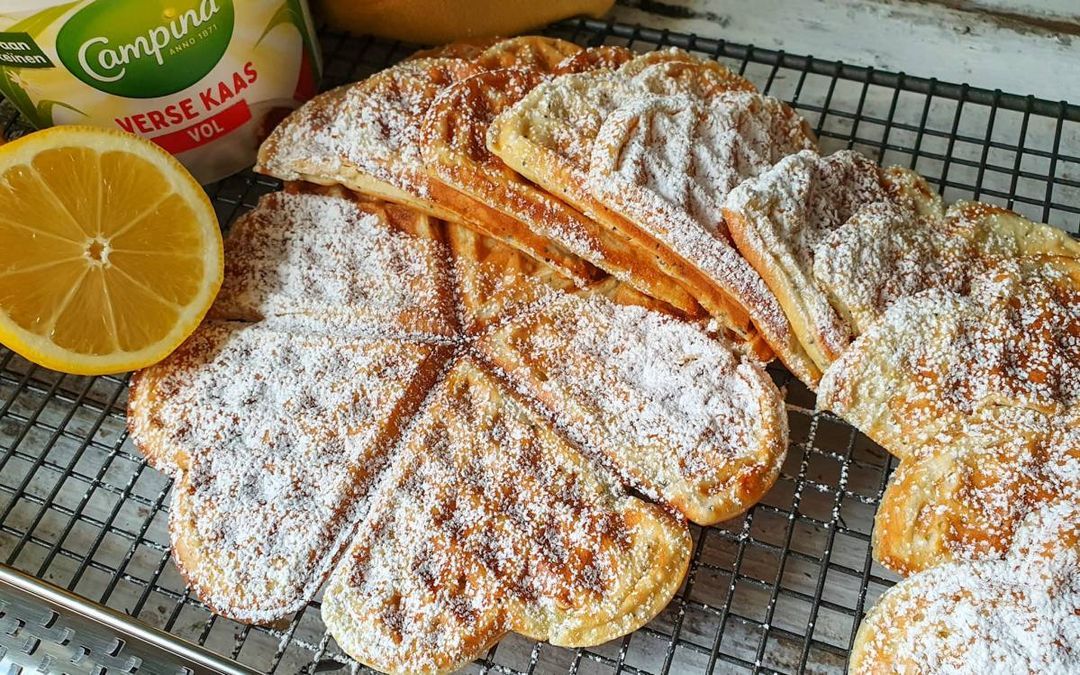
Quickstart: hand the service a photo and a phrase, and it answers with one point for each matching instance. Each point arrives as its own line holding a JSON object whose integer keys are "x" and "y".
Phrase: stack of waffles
{"x": 503, "y": 335}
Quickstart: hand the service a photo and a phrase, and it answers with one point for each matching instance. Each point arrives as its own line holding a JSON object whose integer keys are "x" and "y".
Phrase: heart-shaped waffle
{"x": 778, "y": 218}
{"x": 882, "y": 254}
{"x": 1018, "y": 614}
{"x": 548, "y": 136}
{"x": 977, "y": 395}
{"x": 665, "y": 163}
{"x": 368, "y": 137}
{"x": 451, "y": 429}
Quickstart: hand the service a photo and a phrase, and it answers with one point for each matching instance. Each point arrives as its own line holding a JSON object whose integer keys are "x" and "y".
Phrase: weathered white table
{"x": 1022, "y": 46}
{"x": 1026, "y": 47}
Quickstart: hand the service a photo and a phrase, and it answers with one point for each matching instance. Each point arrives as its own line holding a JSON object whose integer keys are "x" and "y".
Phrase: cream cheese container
{"x": 204, "y": 79}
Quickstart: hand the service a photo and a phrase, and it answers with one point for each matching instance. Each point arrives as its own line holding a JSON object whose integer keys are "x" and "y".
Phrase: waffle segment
{"x": 1018, "y": 614}
{"x": 682, "y": 418}
{"x": 665, "y": 164}
{"x": 490, "y": 522}
{"x": 365, "y": 136}
{"x": 455, "y": 153}
{"x": 543, "y": 137}
{"x": 778, "y": 218}
{"x": 548, "y": 136}
{"x": 881, "y": 254}
{"x": 977, "y": 394}
{"x": 938, "y": 360}
{"x": 272, "y": 473}
{"x": 364, "y": 266}
{"x": 964, "y": 501}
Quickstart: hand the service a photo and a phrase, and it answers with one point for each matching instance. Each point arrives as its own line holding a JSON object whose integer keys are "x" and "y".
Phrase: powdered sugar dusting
{"x": 691, "y": 155}
{"x": 937, "y": 358}
{"x": 564, "y": 115}
{"x": 655, "y": 396}
{"x": 883, "y": 254}
{"x": 1016, "y": 615}
{"x": 371, "y": 127}
{"x": 779, "y": 218}
{"x": 279, "y": 428}
{"x": 487, "y": 500}
{"x": 346, "y": 264}
{"x": 273, "y": 471}
{"x": 667, "y": 163}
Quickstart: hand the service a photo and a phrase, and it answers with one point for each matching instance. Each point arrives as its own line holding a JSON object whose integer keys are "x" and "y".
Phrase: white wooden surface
{"x": 1021, "y": 46}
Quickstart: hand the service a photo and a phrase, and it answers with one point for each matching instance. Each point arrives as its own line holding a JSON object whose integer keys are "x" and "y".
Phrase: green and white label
{"x": 204, "y": 79}
{"x": 18, "y": 50}
{"x": 145, "y": 49}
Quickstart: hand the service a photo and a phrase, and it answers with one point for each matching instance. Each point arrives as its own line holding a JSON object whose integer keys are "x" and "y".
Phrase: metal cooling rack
{"x": 781, "y": 589}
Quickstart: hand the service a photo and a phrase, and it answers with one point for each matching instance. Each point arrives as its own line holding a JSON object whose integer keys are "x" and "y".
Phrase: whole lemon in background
{"x": 110, "y": 252}
{"x": 437, "y": 21}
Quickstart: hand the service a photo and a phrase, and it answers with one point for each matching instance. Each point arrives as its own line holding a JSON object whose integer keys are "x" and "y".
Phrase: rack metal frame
{"x": 781, "y": 589}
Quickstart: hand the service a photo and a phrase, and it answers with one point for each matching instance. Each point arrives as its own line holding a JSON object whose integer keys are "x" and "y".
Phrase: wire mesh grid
{"x": 780, "y": 589}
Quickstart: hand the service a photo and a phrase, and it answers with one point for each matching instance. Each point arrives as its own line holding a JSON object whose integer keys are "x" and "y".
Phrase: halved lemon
{"x": 110, "y": 252}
